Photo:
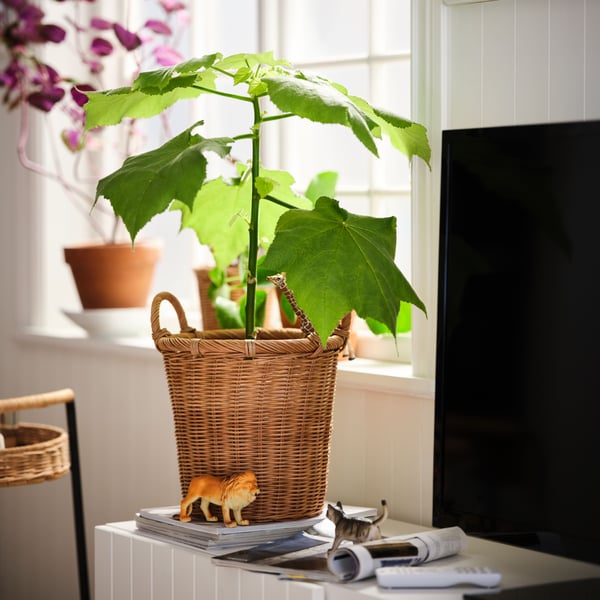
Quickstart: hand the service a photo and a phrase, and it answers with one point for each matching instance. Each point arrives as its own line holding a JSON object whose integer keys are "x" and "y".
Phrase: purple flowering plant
{"x": 30, "y": 81}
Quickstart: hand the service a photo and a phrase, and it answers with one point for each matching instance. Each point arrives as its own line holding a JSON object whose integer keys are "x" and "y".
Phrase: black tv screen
{"x": 517, "y": 419}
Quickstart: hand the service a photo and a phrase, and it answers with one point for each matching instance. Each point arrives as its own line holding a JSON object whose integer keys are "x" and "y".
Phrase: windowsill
{"x": 359, "y": 374}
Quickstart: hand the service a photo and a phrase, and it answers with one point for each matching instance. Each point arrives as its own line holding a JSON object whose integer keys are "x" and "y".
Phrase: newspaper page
{"x": 359, "y": 561}
{"x": 307, "y": 557}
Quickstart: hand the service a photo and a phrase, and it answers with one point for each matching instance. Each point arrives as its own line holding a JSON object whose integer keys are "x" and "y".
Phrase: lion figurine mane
{"x": 230, "y": 493}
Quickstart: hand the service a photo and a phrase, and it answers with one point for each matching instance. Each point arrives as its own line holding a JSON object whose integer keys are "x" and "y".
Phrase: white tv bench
{"x": 129, "y": 566}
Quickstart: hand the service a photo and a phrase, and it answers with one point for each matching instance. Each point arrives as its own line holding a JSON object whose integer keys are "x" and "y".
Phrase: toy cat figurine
{"x": 354, "y": 529}
{"x": 230, "y": 493}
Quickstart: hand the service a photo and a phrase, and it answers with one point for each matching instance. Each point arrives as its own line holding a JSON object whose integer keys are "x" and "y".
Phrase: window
{"x": 364, "y": 45}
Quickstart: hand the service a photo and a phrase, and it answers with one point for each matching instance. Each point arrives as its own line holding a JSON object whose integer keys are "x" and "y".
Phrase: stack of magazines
{"x": 163, "y": 523}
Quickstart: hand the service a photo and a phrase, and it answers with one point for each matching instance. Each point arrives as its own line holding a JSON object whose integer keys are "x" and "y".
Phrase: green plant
{"x": 335, "y": 261}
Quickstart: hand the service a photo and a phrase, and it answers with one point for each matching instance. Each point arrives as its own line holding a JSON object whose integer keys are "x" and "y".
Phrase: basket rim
{"x": 233, "y": 342}
{"x": 58, "y": 438}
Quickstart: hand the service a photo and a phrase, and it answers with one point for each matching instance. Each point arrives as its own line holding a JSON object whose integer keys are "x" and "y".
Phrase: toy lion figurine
{"x": 230, "y": 493}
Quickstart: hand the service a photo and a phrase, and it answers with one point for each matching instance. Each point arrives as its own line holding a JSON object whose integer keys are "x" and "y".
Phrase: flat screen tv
{"x": 517, "y": 395}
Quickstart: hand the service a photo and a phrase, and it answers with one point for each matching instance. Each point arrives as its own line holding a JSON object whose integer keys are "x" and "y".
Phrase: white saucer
{"x": 112, "y": 322}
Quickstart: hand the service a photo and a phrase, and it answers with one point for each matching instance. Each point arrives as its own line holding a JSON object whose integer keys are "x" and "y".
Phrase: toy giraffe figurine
{"x": 305, "y": 324}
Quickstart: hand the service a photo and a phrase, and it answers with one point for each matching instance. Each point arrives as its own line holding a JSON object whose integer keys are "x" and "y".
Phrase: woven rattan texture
{"x": 34, "y": 453}
{"x": 264, "y": 405}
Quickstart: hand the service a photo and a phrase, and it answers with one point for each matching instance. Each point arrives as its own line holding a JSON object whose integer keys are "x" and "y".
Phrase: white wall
{"x": 500, "y": 62}
{"x": 522, "y": 61}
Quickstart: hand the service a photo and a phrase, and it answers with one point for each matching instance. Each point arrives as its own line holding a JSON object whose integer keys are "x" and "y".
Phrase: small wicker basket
{"x": 263, "y": 405}
{"x": 33, "y": 452}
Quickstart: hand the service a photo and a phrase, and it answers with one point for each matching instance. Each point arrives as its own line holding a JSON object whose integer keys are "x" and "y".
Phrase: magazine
{"x": 302, "y": 556}
{"x": 306, "y": 556}
{"x": 164, "y": 522}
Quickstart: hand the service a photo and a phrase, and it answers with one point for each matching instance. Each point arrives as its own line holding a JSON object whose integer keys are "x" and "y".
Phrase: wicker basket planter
{"x": 263, "y": 405}
{"x": 33, "y": 453}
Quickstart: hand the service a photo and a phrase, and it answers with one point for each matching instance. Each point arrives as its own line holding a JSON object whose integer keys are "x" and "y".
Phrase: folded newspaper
{"x": 359, "y": 561}
{"x": 306, "y": 556}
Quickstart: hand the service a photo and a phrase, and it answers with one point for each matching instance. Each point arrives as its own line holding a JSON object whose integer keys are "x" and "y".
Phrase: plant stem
{"x": 253, "y": 226}
{"x": 277, "y": 117}
{"x": 280, "y": 202}
{"x": 224, "y": 94}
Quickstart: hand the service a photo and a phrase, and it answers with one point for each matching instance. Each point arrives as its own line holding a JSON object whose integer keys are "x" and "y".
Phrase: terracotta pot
{"x": 113, "y": 275}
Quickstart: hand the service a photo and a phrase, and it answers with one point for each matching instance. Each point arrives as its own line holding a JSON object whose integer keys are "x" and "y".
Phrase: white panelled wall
{"x": 499, "y": 62}
{"x": 522, "y": 61}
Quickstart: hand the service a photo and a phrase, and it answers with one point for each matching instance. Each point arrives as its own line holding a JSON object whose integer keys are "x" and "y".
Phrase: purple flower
{"x": 172, "y": 5}
{"x": 31, "y": 14}
{"x": 46, "y": 99}
{"x": 101, "y": 47}
{"x": 158, "y": 27}
{"x": 52, "y": 33}
{"x": 166, "y": 56}
{"x": 128, "y": 39}
{"x": 14, "y": 3}
{"x": 78, "y": 93}
{"x": 73, "y": 139}
{"x": 96, "y": 67}
{"x": 100, "y": 24}
{"x": 12, "y": 75}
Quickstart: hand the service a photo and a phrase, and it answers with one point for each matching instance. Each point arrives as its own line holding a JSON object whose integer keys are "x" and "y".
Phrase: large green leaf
{"x": 147, "y": 183}
{"x": 151, "y": 93}
{"x": 407, "y": 136}
{"x": 112, "y": 106}
{"x": 221, "y": 210}
{"x": 310, "y": 246}
{"x": 322, "y": 101}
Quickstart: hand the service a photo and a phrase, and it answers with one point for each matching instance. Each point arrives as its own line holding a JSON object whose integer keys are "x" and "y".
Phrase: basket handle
{"x": 10, "y": 405}
{"x": 159, "y": 332}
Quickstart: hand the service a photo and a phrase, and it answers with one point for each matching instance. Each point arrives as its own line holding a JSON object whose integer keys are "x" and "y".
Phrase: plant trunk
{"x": 253, "y": 227}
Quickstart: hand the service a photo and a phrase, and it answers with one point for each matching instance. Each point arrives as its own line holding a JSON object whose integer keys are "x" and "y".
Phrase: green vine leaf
{"x": 147, "y": 183}
{"x": 310, "y": 246}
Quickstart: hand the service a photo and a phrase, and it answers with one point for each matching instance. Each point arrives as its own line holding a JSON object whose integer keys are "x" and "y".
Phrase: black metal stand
{"x": 82, "y": 564}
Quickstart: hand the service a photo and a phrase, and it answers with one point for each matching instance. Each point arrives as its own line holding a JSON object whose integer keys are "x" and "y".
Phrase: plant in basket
{"x": 255, "y": 399}
{"x": 51, "y": 54}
